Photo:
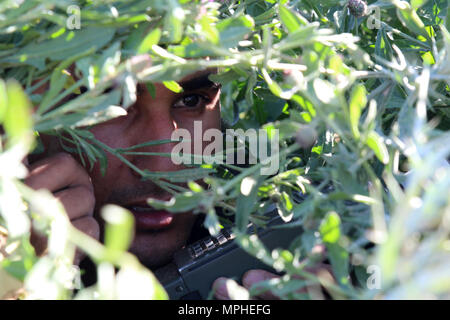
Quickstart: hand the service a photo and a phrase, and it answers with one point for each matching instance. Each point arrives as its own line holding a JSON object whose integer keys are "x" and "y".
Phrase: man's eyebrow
{"x": 200, "y": 82}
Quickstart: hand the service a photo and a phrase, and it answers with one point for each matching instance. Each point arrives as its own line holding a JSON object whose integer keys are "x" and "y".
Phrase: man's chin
{"x": 155, "y": 249}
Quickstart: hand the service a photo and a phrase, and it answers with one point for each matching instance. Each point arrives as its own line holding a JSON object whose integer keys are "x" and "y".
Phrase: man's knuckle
{"x": 73, "y": 168}
{"x": 92, "y": 227}
{"x": 87, "y": 195}
{"x": 65, "y": 159}
{"x": 90, "y": 198}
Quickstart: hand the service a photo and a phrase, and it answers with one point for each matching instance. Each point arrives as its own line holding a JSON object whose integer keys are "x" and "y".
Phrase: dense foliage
{"x": 358, "y": 91}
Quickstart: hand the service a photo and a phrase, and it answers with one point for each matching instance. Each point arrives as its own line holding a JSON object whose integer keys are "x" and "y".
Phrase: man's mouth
{"x": 148, "y": 219}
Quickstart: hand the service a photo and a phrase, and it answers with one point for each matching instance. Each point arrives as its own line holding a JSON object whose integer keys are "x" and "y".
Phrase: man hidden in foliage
{"x": 158, "y": 234}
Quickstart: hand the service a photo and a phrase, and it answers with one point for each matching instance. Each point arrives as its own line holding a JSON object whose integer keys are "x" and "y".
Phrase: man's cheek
{"x": 156, "y": 249}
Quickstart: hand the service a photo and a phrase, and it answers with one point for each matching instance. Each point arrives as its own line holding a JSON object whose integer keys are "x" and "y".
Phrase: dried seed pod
{"x": 358, "y": 8}
{"x": 275, "y": 197}
{"x": 306, "y": 137}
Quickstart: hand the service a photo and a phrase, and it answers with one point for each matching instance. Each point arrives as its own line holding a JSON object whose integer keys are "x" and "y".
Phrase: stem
{"x": 226, "y": 206}
{"x": 404, "y": 35}
{"x": 230, "y": 184}
{"x": 119, "y": 156}
{"x": 162, "y": 154}
{"x": 173, "y": 186}
{"x": 231, "y": 166}
{"x": 43, "y": 108}
{"x": 96, "y": 250}
{"x": 373, "y": 74}
{"x": 163, "y": 184}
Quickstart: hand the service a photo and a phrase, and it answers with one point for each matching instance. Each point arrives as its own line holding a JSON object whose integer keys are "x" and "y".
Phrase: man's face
{"x": 158, "y": 234}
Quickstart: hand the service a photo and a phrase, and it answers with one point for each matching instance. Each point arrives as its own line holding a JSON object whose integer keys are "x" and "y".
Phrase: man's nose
{"x": 153, "y": 125}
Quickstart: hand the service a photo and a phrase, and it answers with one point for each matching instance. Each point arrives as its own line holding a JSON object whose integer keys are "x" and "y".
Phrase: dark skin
{"x": 153, "y": 119}
{"x": 84, "y": 193}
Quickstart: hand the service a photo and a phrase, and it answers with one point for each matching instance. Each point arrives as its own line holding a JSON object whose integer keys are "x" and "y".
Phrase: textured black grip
{"x": 201, "y": 263}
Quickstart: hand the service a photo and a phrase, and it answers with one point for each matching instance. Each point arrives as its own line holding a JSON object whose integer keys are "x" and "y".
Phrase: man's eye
{"x": 191, "y": 101}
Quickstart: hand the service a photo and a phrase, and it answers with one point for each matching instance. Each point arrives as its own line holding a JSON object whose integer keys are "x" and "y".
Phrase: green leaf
{"x": 358, "y": 101}
{"x": 233, "y": 30}
{"x": 409, "y": 17}
{"x": 3, "y": 100}
{"x": 418, "y": 3}
{"x": 17, "y": 116}
{"x": 273, "y": 86}
{"x": 246, "y": 202}
{"x": 183, "y": 175}
{"x": 324, "y": 91}
{"x": 102, "y": 159}
{"x": 375, "y": 142}
{"x": 212, "y": 223}
{"x": 291, "y": 21}
{"x": 173, "y": 22}
{"x": 330, "y": 231}
{"x": 134, "y": 39}
{"x": 285, "y": 207}
{"x": 19, "y": 268}
{"x": 151, "y": 39}
{"x": 303, "y": 208}
{"x": 135, "y": 282}
{"x": 194, "y": 186}
{"x": 298, "y": 38}
{"x": 447, "y": 18}
{"x": 253, "y": 245}
{"x": 119, "y": 228}
{"x": 186, "y": 201}
{"x": 330, "y": 228}
{"x": 383, "y": 47}
{"x": 62, "y": 47}
{"x": 209, "y": 29}
{"x": 151, "y": 89}
{"x": 58, "y": 81}
{"x": 173, "y": 86}
{"x": 286, "y": 128}
{"x": 339, "y": 258}
{"x": 428, "y": 58}
{"x": 108, "y": 113}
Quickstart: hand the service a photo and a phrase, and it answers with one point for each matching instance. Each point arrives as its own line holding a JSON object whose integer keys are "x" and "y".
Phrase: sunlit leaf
{"x": 290, "y": 20}
{"x": 147, "y": 43}
{"x": 17, "y": 116}
{"x": 375, "y": 142}
{"x": 173, "y": 86}
{"x": 330, "y": 228}
{"x": 118, "y": 229}
{"x": 358, "y": 101}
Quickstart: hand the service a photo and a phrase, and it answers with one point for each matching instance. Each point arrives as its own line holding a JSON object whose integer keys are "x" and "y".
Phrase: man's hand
{"x": 69, "y": 182}
{"x": 251, "y": 278}
{"x": 222, "y": 285}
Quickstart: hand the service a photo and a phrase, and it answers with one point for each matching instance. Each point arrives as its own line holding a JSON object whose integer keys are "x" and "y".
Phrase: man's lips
{"x": 150, "y": 219}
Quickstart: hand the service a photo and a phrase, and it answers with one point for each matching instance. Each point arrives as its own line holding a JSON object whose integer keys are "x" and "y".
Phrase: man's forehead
{"x": 199, "y": 79}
